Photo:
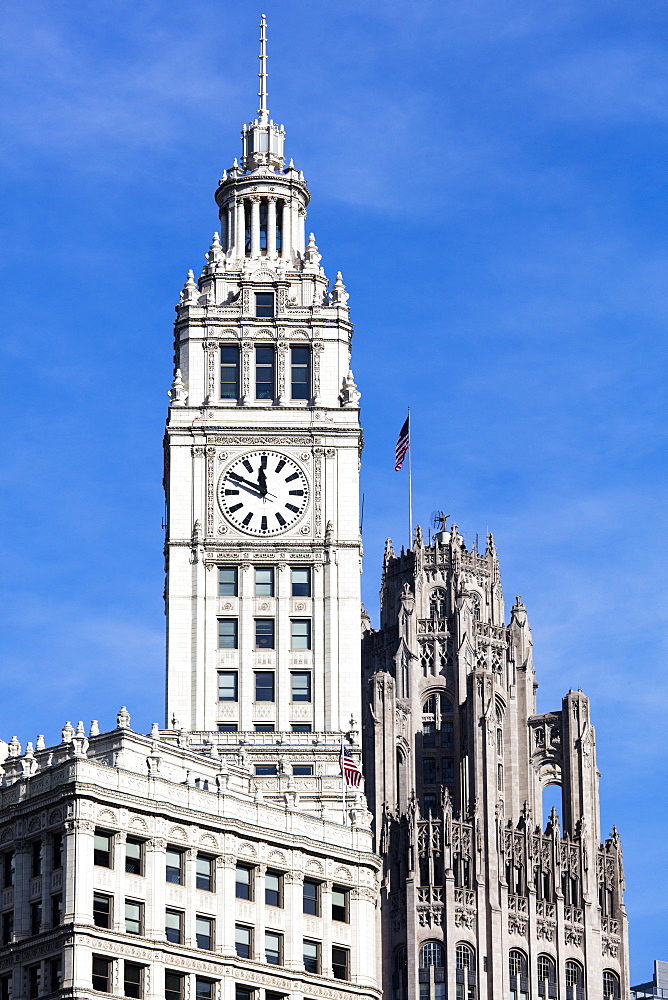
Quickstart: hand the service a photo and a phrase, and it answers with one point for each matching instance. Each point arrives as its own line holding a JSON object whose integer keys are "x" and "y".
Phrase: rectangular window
{"x": 264, "y": 685}
{"x": 7, "y": 869}
{"x": 56, "y": 851}
{"x": 229, "y": 373}
{"x": 266, "y": 770}
{"x": 34, "y": 981}
{"x": 55, "y": 974}
{"x": 35, "y": 918}
{"x": 228, "y": 685}
{"x": 228, "y": 633}
{"x": 243, "y": 993}
{"x": 340, "y": 962}
{"x": 134, "y": 856}
{"x": 204, "y": 879}
{"x": 302, "y": 770}
{"x": 132, "y": 980}
{"x": 340, "y": 897}
{"x": 101, "y": 974}
{"x": 7, "y": 927}
{"x": 265, "y": 366}
{"x": 447, "y": 771}
{"x": 446, "y": 734}
{"x": 204, "y": 933}
{"x": 203, "y": 989}
{"x": 56, "y": 910}
{"x": 101, "y": 909}
{"x": 243, "y": 940}
{"x": 37, "y": 854}
{"x": 174, "y": 866}
{"x": 429, "y": 735}
{"x": 174, "y": 926}
{"x": 273, "y": 889}
{"x": 273, "y": 948}
{"x": 264, "y": 634}
{"x": 430, "y": 804}
{"x": 228, "y": 581}
{"x": 264, "y": 304}
{"x": 265, "y": 727}
{"x": 301, "y": 685}
{"x": 311, "y": 956}
{"x": 300, "y": 633}
{"x": 264, "y": 581}
{"x": 429, "y": 771}
{"x": 300, "y": 581}
{"x": 300, "y": 373}
{"x": 6, "y": 987}
{"x": 244, "y": 882}
{"x": 228, "y": 727}
{"x": 301, "y": 727}
{"x": 174, "y": 986}
{"x": 311, "y": 897}
{"x": 133, "y": 917}
{"x": 102, "y": 849}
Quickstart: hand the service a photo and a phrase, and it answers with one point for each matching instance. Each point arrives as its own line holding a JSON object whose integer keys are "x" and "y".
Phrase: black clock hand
{"x": 248, "y": 486}
{"x": 240, "y": 479}
{"x": 262, "y": 481}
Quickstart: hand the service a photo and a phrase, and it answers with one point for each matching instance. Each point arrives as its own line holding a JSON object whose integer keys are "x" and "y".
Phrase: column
{"x": 190, "y": 859}
{"x": 79, "y": 842}
{"x": 286, "y": 245}
{"x": 241, "y": 228}
{"x": 230, "y": 227}
{"x": 226, "y": 891}
{"x": 260, "y": 872}
{"x": 326, "y": 918}
{"x": 255, "y": 226}
{"x": 293, "y": 883}
{"x": 223, "y": 227}
{"x": 22, "y": 875}
{"x": 154, "y": 861}
{"x": 271, "y": 226}
{"x": 118, "y": 881}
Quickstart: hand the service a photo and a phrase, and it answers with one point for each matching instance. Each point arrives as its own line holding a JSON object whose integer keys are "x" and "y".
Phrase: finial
{"x": 123, "y": 719}
{"x": 67, "y": 732}
{"x": 40, "y": 744}
{"x": 263, "y": 111}
{"x": 94, "y": 728}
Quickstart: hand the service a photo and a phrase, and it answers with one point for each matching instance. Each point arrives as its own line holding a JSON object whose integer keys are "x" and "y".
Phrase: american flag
{"x": 403, "y": 442}
{"x": 350, "y": 769}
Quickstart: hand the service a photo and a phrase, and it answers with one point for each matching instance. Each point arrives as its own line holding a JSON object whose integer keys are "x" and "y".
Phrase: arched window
{"x": 517, "y": 963}
{"x": 475, "y": 600}
{"x": 519, "y": 976}
{"x": 437, "y": 721}
{"x": 547, "y": 974}
{"x": 431, "y": 953}
{"x": 437, "y": 604}
{"x": 611, "y": 990}
{"x": 465, "y": 956}
{"x": 574, "y": 980}
{"x": 400, "y": 974}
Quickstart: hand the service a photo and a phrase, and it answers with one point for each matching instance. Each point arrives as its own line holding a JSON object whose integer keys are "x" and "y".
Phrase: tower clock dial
{"x": 263, "y": 493}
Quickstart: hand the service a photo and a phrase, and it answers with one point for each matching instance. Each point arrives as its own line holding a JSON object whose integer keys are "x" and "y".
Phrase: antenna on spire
{"x": 263, "y": 111}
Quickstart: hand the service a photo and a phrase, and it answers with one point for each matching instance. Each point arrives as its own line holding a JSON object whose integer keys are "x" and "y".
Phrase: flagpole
{"x": 410, "y": 485}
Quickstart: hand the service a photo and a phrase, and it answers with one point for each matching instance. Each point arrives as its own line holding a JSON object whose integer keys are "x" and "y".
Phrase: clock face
{"x": 263, "y": 493}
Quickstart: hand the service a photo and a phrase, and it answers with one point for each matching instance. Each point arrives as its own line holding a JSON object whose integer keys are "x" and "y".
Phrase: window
{"x": 7, "y": 927}
{"x": 34, "y": 981}
{"x": 56, "y": 910}
{"x": 37, "y": 856}
{"x": 340, "y": 962}
{"x": 300, "y": 375}
{"x": 547, "y": 972}
{"x": 228, "y": 686}
{"x": 244, "y": 882}
{"x": 264, "y": 304}
{"x": 204, "y": 933}
{"x": 55, "y": 974}
{"x": 35, "y": 918}
{"x": 265, "y": 727}
{"x": 574, "y": 977}
{"x": 447, "y": 771}
{"x": 228, "y": 727}
{"x": 228, "y": 581}
{"x": 174, "y": 926}
{"x": 8, "y": 869}
{"x": 300, "y": 629}
{"x": 133, "y": 917}
{"x": 101, "y": 974}
{"x": 517, "y": 963}
{"x": 133, "y": 856}
{"x": 273, "y": 948}
{"x": 264, "y": 685}
{"x": 243, "y": 940}
{"x": 266, "y": 770}
{"x": 243, "y": 993}
{"x": 499, "y": 777}
{"x": 102, "y": 849}
{"x": 429, "y": 771}
{"x": 56, "y": 851}
{"x": 228, "y": 633}
{"x": 611, "y": 989}
{"x": 302, "y": 770}
{"x": 400, "y": 974}
{"x": 229, "y": 373}
{"x": 301, "y": 685}
{"x": 174, "y": 986}
{"x": 518, "y": 969}
{"x": 431, "y": 954}
{"x": 203, "y": 989}
{"x": 300, "y": 581}
{"x": 465, "y": 957}
{"x": 273, "y": 889}
{"x": 174, "y": 866}
{"x": 132, "y": 980}
{"x": 430, "y": 804}
{"x": 311, "y": 897}
{"x": 301, "y": 727}
{"x": 264, "y": 635}
{"x": 340, "y": 897}
{"x": 437, "y": 603}
{"x": 204, "y": 875}
{"x": 446, "y": 734}
{"x": 428, "y": 735}
{"x": 311, "y": 956}
{"x": 264, "y": 581}
{"x": 7, "y": 987}
{"x": 264, "y": 372}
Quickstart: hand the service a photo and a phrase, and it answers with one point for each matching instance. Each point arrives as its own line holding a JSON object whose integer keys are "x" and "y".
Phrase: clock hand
{"x": 248, "y": 485}
{"x": 262, "y": 481}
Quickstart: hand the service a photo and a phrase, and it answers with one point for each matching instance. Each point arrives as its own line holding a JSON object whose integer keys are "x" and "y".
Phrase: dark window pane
{"x": 266, "y": 769}
{"x": 173, "y": 925}
{"x": 301, "y": 685}
{"x": 264, "y": 685}
{"x": 56, "y": 910}
{"x": 101, "y": 977}
{"x": 273, "y": 886}
{"x": 173, "y": 986}
{"x": 265, "y": 727}
{"x": 340, "y": 962}
{"x": 429, "y": 770}
{"x": 227, "y": 633}
{"x": 132, "y": 980}
{"x": 264, "y": 372}
{"x": 229, "y": 373}
{"x": 8, "y": 869}
{"x": 311, "y": 897}
{"x": 228, "y": 685}
{"x": 302, "y": 770}
{"x": 37, "y": 857}
{"x": 311, "y": 956}
{"x": 228, "y": 581}
{"x": 174, "y": 864}
{"x": 264, "y": 636}
{"x": 244, "y": 884}
{"x": 301, "y": 581}
{"x": 300, "y": 629}
{"x": 203, "y": 989}
{"x": 7, "y": 927}
{"x": 133, "y": 856}
{"x": 204, "y": 878}
{"x": 228, "y": 727}
{"x": 264, "y": 581}
{"x": 35, "y": 918}
{"x": 264, "y": 304}
{"x": 243, "y": 941}
{"x": 204, "y": 933}
{"x": 300, "y": 375}
{"x": 272, "y": 947}
{"x": 339, "y": 903}
{"x": 102, "y": 849}
{"x": 133, "y": 915}
{"x": 301, "y": 727}
{"x": 57, "y": 851}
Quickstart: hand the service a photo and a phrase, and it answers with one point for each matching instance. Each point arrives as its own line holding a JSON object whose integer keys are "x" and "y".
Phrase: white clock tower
{"x": 262, "y": 453}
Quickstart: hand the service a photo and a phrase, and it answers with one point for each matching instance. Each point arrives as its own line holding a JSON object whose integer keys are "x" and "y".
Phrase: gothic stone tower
{"x": 482, "y": 895}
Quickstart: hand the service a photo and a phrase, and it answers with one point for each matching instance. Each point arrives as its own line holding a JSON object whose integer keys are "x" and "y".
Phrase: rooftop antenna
{"x": 263, "y": 111}
{"x": 439, "y": 521}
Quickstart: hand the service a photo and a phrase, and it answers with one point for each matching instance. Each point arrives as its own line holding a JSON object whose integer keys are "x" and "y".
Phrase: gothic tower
{"x": 482, "y": 895}
{"x": 262, "y": 466}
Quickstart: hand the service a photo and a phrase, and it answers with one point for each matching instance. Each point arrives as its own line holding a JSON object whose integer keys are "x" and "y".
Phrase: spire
{"x": 263, "y": 111}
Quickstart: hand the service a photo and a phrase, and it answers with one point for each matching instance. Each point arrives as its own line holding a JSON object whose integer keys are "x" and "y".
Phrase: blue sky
{"x": 490, "y": 178}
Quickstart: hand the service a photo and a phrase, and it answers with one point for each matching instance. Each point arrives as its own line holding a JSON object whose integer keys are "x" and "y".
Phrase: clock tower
{"x": 262, "y": 451}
